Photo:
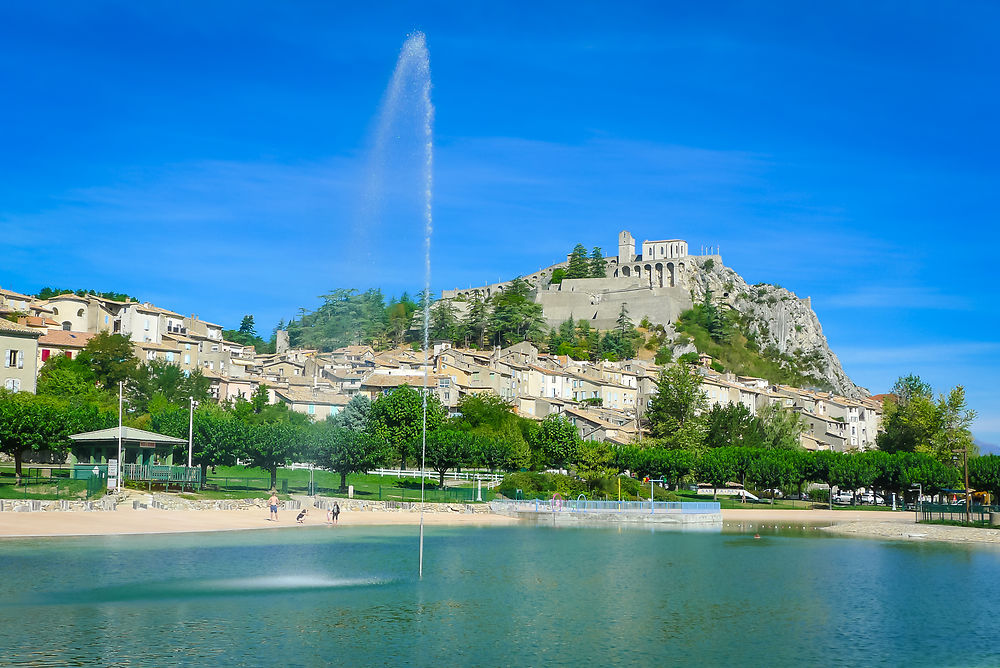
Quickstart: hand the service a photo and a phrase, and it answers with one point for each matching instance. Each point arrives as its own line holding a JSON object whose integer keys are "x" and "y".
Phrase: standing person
{"x": 336, "y": 511}
{"x": 273, "y": 502}
{"x": 329, "y": 515}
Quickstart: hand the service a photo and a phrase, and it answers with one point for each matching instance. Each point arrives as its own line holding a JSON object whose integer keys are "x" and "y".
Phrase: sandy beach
{"x": 128, "y": 521}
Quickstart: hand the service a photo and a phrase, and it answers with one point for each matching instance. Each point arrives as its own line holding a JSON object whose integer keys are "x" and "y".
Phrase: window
{"x": 312, "y": 409}
{"x": 187, "y": 359}
{"x": 170, "y": 357}
{"x": 45, "y": 354}
{"x": 147, "y": 325}
{"x": 10, "y": 359}
{"x": 79, "y": 314}
{"x": 105, "y": 320}
{"x": 67, "y": 325}
{"x": 13, "y": 384}
{"x": 151, "y": 354}
{"x": 187, "y": 346}
{"x": 55, "y": 311}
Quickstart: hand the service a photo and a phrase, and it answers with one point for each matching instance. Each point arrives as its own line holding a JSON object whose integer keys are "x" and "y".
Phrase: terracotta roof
{"x": 8, "y": 327}
{"x": 18, "y": 295}
{"x": 385, "y": 380}
{"x": 306, "y": 396}
{"x": 66, "y": 339}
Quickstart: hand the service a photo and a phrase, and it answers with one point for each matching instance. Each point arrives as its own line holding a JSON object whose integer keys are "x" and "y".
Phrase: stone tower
{"x": 626, "y": 247}
{"x": 281, "y": 341}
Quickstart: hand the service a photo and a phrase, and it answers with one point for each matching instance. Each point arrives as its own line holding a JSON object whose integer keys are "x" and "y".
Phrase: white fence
{"x": 490, "y": 480}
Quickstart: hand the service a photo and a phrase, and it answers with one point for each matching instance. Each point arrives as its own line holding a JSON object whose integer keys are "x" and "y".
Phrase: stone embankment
{"x": 174, "y": 502}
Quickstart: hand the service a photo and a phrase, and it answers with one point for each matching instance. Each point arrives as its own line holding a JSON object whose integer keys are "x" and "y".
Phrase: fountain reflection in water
{"x": 409, "y": 98}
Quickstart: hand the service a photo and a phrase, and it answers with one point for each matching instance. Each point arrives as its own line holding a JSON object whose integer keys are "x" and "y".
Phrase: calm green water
{"x": 527, "y": 596}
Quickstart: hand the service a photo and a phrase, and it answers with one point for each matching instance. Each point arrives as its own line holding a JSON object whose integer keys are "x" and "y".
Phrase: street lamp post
{"x": 918, "y": 505}
{"x": 968, "y": 496}
{"x": 191, "y": 430}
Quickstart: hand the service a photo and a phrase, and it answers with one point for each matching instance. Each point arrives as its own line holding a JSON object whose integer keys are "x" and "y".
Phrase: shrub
{"x": 645, "y": 323}
{"x": 688, "y": 358}
{"x": 718, "y": 367}
{"x": 664, "y": 355}
{"x": 708, "y": 264}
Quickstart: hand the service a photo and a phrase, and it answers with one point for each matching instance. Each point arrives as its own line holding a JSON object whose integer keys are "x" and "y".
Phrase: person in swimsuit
{"x": 273, "y": 502}
{"x": 336, "y": 511}
{"x": 302, "y": 515}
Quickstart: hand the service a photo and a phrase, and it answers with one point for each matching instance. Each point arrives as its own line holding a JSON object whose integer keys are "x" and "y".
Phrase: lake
{"x": 496, "y": 596}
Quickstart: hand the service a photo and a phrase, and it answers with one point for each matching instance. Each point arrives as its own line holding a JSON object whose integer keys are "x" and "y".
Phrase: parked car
{"x": 843, "y": 498}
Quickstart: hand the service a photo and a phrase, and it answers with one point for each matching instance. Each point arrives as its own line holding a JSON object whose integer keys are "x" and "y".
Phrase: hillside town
{"x": 604, "y": 400}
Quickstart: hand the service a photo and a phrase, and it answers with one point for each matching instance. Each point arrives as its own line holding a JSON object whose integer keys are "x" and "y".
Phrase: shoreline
{"x": 880, "y": 525}
{"x": 124, "y": 522}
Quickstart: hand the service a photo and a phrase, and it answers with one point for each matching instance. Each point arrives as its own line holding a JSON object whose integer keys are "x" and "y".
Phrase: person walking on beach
{"x": 336, "y": 511}
{"x": 273, "y": 502}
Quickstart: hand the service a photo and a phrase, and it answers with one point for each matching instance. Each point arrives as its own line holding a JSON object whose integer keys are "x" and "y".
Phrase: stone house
{"x": 19, "y": 347}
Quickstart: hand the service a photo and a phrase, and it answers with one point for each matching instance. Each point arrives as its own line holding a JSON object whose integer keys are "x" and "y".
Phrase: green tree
{"x": 346, "y": 451}
{"x": 716, "y": 467}
{"x": 781, "y": 427}
{"x": 733, "y": 425}
{"x": 673, "y": 411}
{"x": 984, "y": 475}
{"x": 910, "y": 417}
{"x": 446, "y": 449}
{"x": 497, "y": 454}
{"x": 558, "y": 274}
{"x": 396, "y": 419}
{"x": 111, "y": 358}
{"x": 557, "y": 441}
{"x": 598, "y": 265}
{"x": 355, "y": 413}
{"x": 31, "y": 423}
{"x": 771, "y": 469}
{"x": 444, "y": 323}
{"x": 953, "y": 419}
{"x": 515, "y": 317}
{"x": 168, "y": 381}
{"x": 477, "y": 320}
{"x": 578, "y": 266}
{"x": 270, "y": 445}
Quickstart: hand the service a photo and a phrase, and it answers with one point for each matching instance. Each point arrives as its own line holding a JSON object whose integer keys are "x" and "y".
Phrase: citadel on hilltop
{"x": 655, "y": 283}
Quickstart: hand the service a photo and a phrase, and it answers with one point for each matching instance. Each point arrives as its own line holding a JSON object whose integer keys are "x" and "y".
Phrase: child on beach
{"x": 301, "y": 516}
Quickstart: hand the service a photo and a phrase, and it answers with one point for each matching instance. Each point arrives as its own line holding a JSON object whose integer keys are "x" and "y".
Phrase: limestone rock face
{"x": 781, "y": 322}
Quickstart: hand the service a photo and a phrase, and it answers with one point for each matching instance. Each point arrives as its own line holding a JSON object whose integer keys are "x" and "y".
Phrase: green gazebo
{"x": 146, "y": 455}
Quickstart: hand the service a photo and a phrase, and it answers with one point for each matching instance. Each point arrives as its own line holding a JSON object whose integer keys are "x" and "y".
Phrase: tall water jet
{"x": 410, "y": 91}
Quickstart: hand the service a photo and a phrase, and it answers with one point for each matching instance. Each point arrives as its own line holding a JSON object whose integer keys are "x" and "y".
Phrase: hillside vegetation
{"x": 722, "y": 333}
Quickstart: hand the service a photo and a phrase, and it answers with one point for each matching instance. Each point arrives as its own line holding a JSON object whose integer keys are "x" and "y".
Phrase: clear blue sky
{"x": 211, "y": 159}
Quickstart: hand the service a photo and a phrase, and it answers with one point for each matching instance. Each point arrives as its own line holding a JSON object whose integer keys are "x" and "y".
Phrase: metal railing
{"x": 161, "y": 473}
{"x": 931, "y": 512}
{"x": 583, "y": 505}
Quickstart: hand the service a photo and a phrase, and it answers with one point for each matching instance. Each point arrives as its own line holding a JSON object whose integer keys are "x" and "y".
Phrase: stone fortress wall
{"x": 655, "y": 283}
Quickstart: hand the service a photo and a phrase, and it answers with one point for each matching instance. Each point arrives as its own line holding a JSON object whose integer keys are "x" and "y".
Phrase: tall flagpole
{"x": 121, "y": 466}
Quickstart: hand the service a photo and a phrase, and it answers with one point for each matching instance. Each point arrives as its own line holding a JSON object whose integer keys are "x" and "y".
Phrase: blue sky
{"x": 212, "y": 159}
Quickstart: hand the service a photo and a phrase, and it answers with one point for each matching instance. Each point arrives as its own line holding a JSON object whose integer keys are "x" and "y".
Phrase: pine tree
{"x": 579, "y": 265}
{"x": 598, "y": 265}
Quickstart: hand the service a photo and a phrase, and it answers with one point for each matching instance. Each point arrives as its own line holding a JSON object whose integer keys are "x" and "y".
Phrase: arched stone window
{"x": 670, "y": 274}
{"x": 67, "y": 325}
{"x": 79, "y": 314}
{"x": 649, "y": 274}
{"x": 659, "y": 275}
{"x": 626, "y": 271}
{"x": 55, "y": 311}
{"x": 638, "y": 271}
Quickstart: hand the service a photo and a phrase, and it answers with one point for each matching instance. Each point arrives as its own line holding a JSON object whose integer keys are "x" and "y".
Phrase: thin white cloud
{"x": 898, "y": 297}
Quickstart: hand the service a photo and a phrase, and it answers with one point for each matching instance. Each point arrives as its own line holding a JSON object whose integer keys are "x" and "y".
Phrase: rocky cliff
{"x": 785, "y": 326}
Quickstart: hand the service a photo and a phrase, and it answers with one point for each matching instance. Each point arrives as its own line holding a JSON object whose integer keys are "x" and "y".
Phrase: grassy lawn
{"x": 731, "y": 503}
{"x": 228, "y": 482}
{"x": 57, "y": 488}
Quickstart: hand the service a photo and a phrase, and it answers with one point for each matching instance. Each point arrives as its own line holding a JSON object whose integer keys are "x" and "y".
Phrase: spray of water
{"x": 410, "y": 92}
